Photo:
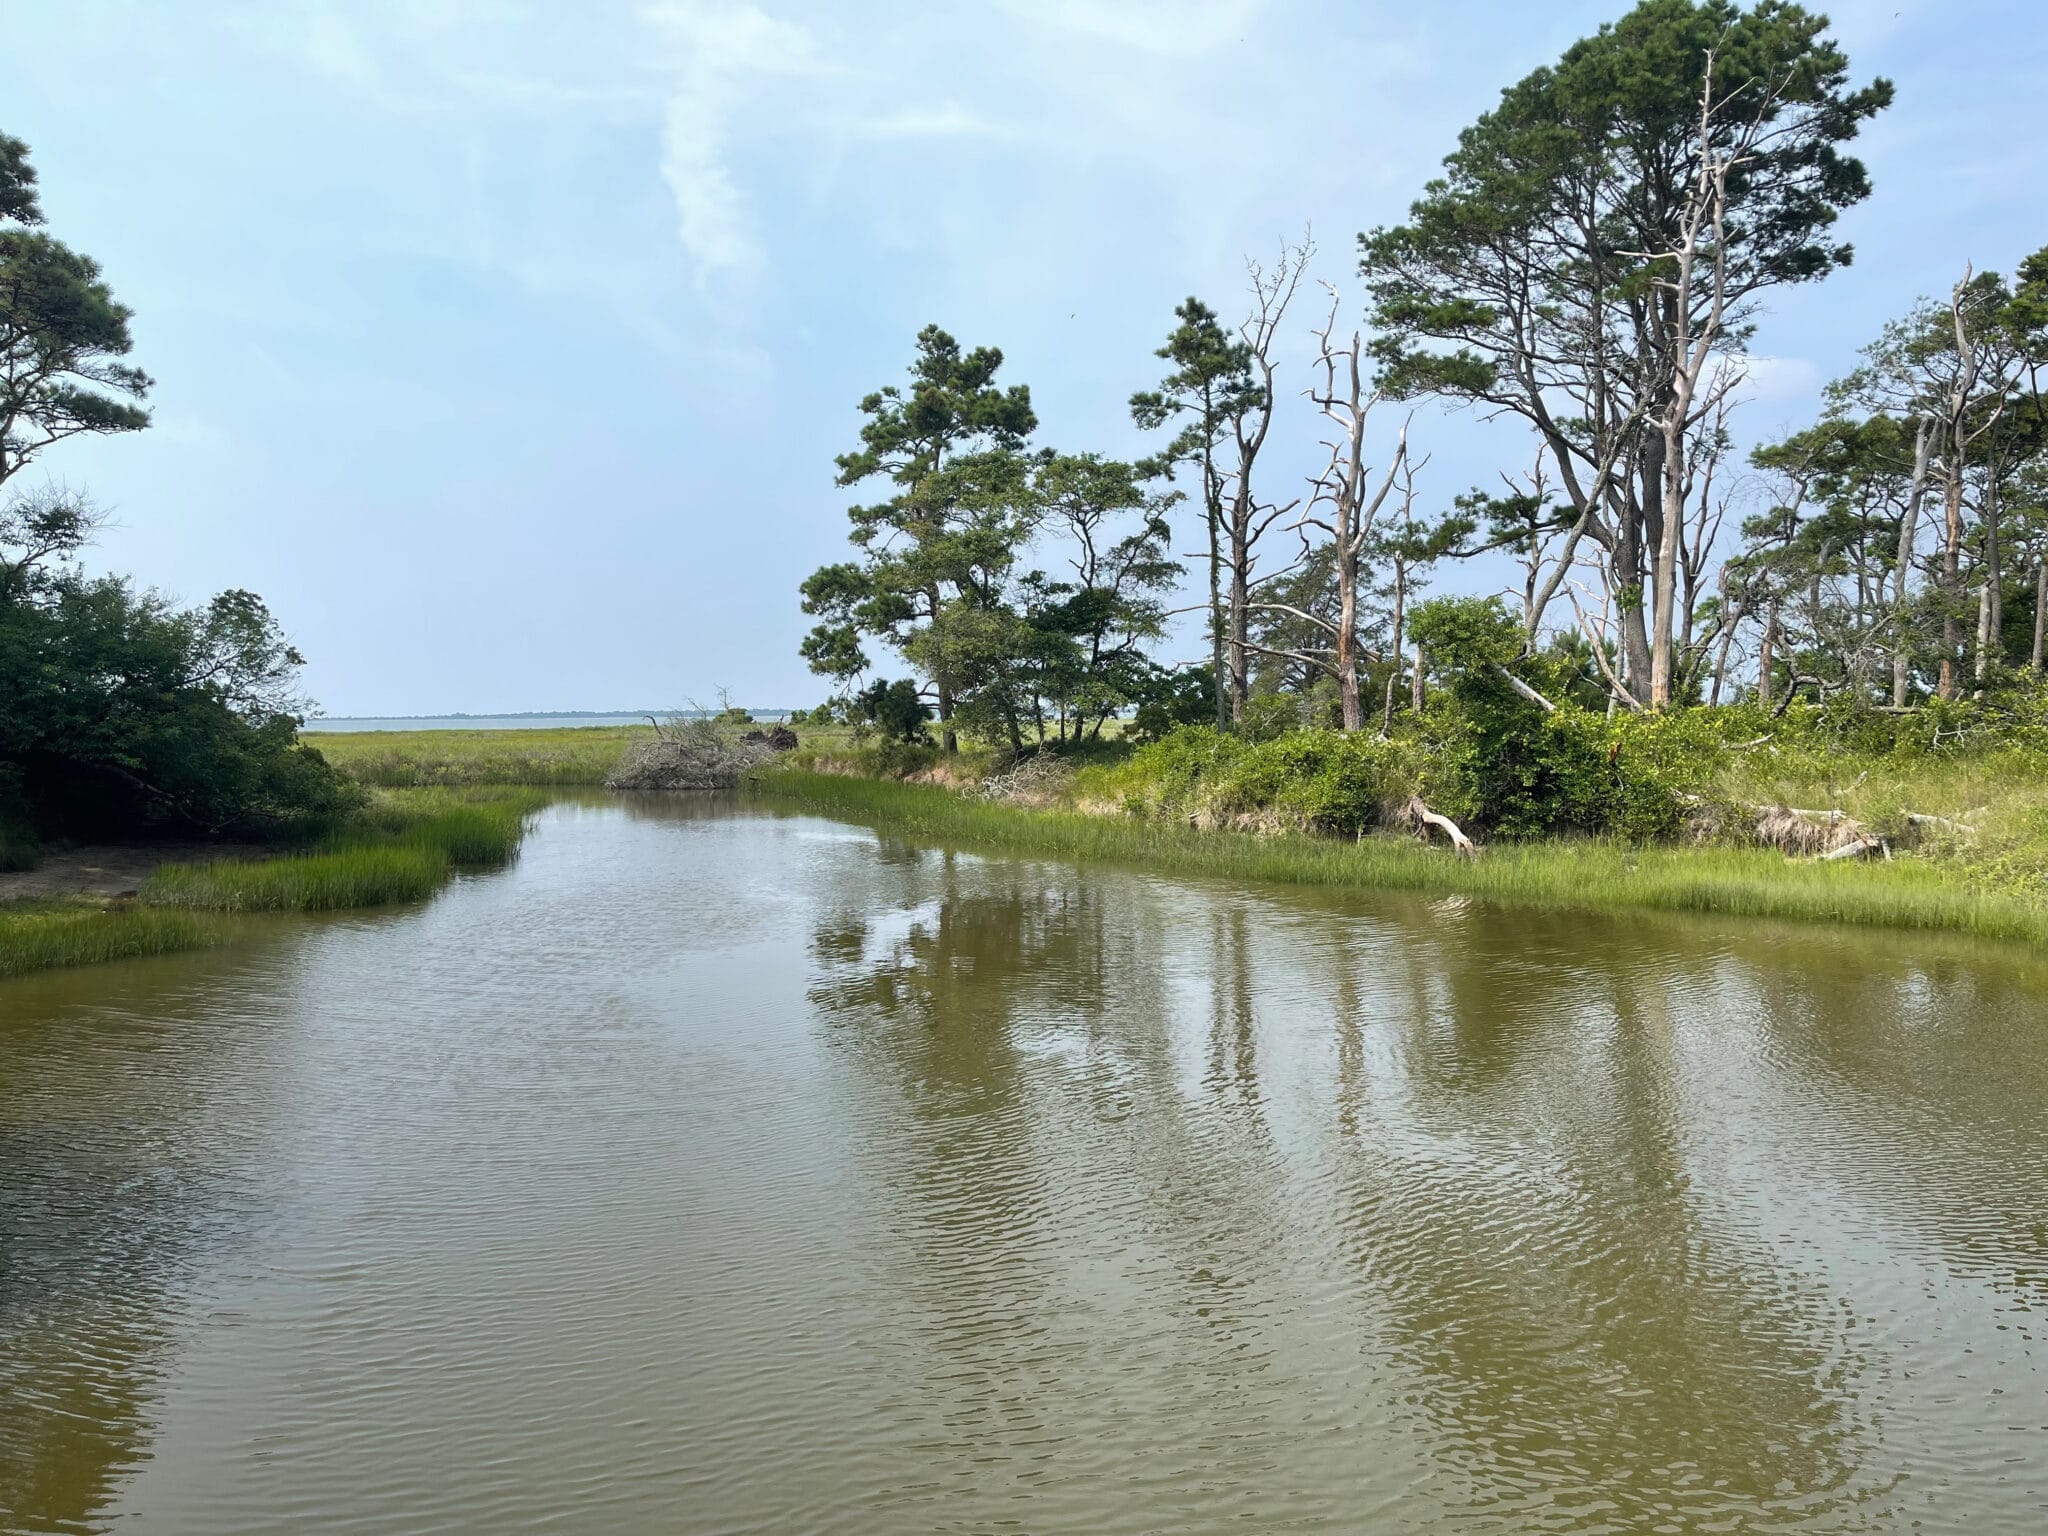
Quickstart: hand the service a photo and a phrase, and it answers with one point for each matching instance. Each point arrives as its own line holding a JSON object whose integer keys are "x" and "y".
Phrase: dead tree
{"x": 1344, "y": 502}
{"x": 1246, "y": 518}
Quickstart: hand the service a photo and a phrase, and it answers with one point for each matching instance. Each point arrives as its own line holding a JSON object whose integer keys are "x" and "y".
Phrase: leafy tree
{"x": 128, "y": 715}
{"x": 120, "y": 712}
{"x": 62, "y": 334}
{"x": 895, "y": 709}
{"x": 935, "y": 550}
{"x": 1113, "y": 605}
{"x": 1210, "y": 387}
{"x": 1604, "y": 231}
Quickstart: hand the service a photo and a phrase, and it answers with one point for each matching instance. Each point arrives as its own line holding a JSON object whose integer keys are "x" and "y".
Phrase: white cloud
{"x": 715, "y": 51}
{"x": 949, "y": 121}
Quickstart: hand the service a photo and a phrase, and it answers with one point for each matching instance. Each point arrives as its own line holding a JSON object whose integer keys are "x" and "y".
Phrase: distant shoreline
{"x": 512, "y": 721}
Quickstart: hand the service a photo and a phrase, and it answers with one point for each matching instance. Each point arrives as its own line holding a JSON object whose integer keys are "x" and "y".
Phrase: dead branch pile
{"x": 1834, "y": 834}
{"x": 1036, "y": 781}
{"x": 686, "y": 754}
{"x": 1806, "y": 834}
{"x": 780, "y": 739}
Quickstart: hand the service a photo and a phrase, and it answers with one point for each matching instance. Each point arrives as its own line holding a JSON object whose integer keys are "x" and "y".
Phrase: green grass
{"x": 402, "y": 848}
{"x": 1905, "y": 893}
{"x": 305, "y": 882}
{"x": 36, "y": 936}
{"x": 561, "y": 758}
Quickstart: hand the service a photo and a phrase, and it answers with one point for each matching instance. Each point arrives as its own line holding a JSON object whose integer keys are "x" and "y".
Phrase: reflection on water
{"x": 715, "y": 1169}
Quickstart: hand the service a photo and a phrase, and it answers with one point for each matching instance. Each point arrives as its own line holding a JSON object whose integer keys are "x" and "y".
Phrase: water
{"x": 718, "y": 1171}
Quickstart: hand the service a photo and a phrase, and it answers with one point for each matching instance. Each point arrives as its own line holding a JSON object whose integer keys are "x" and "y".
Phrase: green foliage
{"x": 897, "y": 709}
{"x": 935, "y": 552}
{"x": 17, "y": 823}
{"x": 1167, "y": 699}
{"x": 62, "y": 333}
{"x": 121, "y": 714}
{"x": 128, "y": 716}
{"x": 1319, "y": 780}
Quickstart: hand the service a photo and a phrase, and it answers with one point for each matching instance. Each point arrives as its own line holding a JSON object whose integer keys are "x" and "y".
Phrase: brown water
{"x": 718, "y": 1171}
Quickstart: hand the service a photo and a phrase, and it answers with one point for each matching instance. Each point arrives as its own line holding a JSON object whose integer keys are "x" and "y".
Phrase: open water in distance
{"x": 719, "y": 1170}
{"x": 324, "y": 723}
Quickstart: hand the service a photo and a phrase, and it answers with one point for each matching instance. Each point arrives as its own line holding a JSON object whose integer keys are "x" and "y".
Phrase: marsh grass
{"x": 37, "y": 936}
{"x": 560, "y": 758}
{"x": 1911, "y": 893}
{"x": 402, "y": 847}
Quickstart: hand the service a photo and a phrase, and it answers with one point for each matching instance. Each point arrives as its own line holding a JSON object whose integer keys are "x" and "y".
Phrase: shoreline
{"x": 1592, "y": 876}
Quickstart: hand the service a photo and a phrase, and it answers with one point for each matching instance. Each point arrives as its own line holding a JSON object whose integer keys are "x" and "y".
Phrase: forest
{"x": 1588, "y": 272}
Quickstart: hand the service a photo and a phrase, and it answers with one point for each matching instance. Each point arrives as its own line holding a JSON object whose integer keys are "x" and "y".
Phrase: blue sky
{"x": 505, "y": 348}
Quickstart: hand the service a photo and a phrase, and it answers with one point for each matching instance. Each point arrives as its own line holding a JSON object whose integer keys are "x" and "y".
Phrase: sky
{"x": 505, "y": 348}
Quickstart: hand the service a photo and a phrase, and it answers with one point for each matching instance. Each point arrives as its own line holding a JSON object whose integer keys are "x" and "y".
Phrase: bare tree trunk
{"x": 1216, "y": 624}
{"x": 2040, "y": 614}
{"x": 1728, "y": 626}
{"x": 1394, "y": 651}
{"x": 1955, "y": 459}
{"x": 1272, "y": 292}
{"x": 1765, "y": 657}
{"x": 1635, "y": 638}
{"x": 1350, "y": 708}
{"x": 1991, "y": 597}
{"x": 1909, "y": 527}
{"x": 1951, "y": 578}
{"x": 1415, "y": 695}
{"x": 1240, "y": 594}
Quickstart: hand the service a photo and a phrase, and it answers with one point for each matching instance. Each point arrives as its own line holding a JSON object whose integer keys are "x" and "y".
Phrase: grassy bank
{"x": 403, "y": 846}
{"x": 559, "y": 758}
{"x": 1905, "y": 893}
{"x": 36, "y": 936}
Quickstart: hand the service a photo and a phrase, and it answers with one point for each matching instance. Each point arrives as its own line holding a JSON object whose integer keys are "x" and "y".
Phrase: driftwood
{"x": 1834, "y": 833}
{"x": 1525, "y": 690}
{"x": 1946, "y": 823}
{"x": 1419, "y": 815}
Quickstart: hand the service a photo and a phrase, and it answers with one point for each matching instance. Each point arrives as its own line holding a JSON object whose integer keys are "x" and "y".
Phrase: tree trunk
{"x": 1728, "y": 624}
{"x": 1765, "y": 656}
{"x": 1240, "y": 617}
{"x": 1909, "y": 527}
{"x": 1216, "y": 615}
{"x": 1951, "y": 578}
{"x": 1991, "y": 599}
{"x": 1394, "y": 651}
{"x": 1415, "y": 697}
{"x": 1664, "y": 585}
{"x": 1350, "y": 709}
{"x": 1635, "y": 639}
{"x": 2040, "y": 613}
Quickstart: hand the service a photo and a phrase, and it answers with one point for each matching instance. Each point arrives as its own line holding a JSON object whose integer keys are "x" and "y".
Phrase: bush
{"x": 1314, "y": 781}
